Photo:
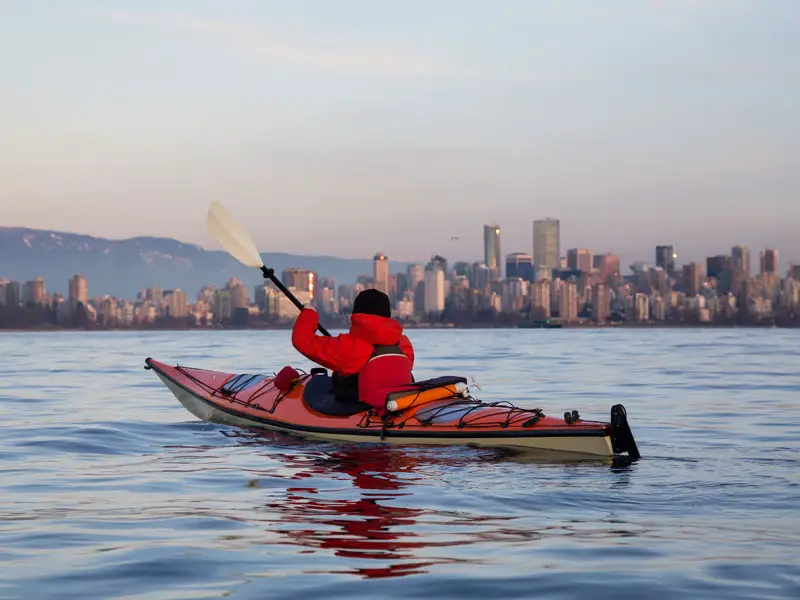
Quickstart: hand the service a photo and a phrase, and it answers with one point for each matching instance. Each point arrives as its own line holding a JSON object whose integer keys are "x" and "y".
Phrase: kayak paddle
{"x": 232, "y": 236}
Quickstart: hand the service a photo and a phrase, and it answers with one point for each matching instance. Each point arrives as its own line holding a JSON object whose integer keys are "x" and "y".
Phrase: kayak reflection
{"x": 372, "y": 526}
{"x": 361, "y": 502}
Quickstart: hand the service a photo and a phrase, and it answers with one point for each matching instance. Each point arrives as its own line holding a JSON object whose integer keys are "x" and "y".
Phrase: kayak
{"x": 434, "y": 411}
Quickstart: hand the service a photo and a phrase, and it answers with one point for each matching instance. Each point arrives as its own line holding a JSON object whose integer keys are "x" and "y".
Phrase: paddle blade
{"x": 232, "y": 236}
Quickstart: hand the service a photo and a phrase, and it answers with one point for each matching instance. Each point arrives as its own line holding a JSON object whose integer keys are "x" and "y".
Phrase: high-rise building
{"x": 606, "y": 265}
{"x": 12, "y": 296}
{"x": 221, "y": 307}
{"x": 301, "y": 280}
{"x": 547, "y": 243}
{"x": 601, "y": 302}
{"x": 462, "y": 268}
{"x": 434, "y": 289}
{"x": 441, "y": 261}
{"x": 693, "y": 278}
{"x": 380, "y": 273}
{"x": 665, "y": 258}
{"x": 579, "y": 259}
{"x": 769, "y": 261}
{"x": 178, "y": 304}
{"x": 491, "y": 247}
{"x": 641, "y": 308}
{"x": 416, "y": 273}
{"x": 540, "y": 300}
{"x": 33, "y": 292}
{"x": 568, "y": 303}
{"x": 717, "y": 265}
{"x": 740, "y": 256}
{"x": 155, "y": 295}
{"x": 519, "y": 264}
{"x": 78, "y": 292}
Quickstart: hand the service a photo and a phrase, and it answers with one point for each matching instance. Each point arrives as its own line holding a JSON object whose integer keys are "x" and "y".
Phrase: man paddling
{"x": 369, "y": 361}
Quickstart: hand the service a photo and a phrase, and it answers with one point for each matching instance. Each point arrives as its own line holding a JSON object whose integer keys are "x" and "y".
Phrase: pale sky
{"x": 347, "y": 127}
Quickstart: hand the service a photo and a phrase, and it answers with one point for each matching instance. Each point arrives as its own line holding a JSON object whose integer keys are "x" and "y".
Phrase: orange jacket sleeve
{"x": 333, "y": 353}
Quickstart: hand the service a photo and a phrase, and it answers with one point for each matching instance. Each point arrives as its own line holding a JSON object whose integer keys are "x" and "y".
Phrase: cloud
{"x": 261, "y": 44}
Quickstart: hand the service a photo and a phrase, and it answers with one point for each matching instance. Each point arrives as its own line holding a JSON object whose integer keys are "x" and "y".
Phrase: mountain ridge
{"x": 124, "y": 267}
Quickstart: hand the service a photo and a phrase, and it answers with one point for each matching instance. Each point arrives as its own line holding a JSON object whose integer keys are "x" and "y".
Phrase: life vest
{"x": 386, "y": 369}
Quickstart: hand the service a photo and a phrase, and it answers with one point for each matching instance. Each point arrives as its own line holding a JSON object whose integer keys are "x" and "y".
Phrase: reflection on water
{"x": 110, "y": 489}
{"x": 371, "y": 523}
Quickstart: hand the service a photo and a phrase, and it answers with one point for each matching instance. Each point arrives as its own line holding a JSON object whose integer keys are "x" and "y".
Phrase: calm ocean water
{"x": 109, "y": 488}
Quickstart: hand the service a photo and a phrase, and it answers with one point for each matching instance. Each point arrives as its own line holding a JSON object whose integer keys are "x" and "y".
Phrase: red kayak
{"x": 436, "y": 411}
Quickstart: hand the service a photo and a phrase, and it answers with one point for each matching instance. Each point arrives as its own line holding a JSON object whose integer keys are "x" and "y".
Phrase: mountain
{"x": 125, "y": 267}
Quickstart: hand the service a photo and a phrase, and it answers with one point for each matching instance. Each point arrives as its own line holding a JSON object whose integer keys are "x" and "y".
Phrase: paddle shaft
{"x": 270, "y": 274}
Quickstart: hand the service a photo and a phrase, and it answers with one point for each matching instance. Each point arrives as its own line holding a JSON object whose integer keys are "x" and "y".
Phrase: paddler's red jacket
{"x": 348, "y": 353}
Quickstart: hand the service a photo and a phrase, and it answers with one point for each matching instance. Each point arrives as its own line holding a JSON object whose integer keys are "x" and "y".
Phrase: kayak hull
{"x": 198, "y": 391}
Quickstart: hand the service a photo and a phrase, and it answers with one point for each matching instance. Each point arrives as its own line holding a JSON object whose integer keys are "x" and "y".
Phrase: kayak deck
{"x": 253, "y": 401}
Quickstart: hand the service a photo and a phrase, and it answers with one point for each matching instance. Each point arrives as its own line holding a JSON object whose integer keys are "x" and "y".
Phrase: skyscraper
{"x": 693, "y": 277}
{"x": 606, "y": 265}
{"x": 33, "y": 292}
{"x": 380, "y": 272}
{"x": 78, "y": 292}
{"x": 519, "y": 264}
{"x": 547, "y": 243}
{"x": 769, "y": 261}
{"x": 579, "y": 259}
{"x": 434, "y": 289}
{"x": 717, "y": 265}
{"x": 665, "y": 258}
{"x": 491, "y": 247}
{"x": 741, "y": 260}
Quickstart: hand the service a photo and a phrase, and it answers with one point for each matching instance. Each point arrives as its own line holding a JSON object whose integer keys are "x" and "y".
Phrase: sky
{"x": 351, "y": 127}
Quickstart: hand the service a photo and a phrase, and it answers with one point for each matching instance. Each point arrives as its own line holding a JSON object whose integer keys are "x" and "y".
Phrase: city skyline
{"x": 347, "y": 119}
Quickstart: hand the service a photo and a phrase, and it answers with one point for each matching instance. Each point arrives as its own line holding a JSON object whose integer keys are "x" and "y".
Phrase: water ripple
{"x": 110, "y": 489}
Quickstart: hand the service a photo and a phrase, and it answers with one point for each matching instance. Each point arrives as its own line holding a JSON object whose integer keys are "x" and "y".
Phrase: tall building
{"x": 78, "y": 292}
{"x": 12, "y": 296}
{"x": 579, "y": 259}
{"x": 462, "y": 268}
{"x": 441, "y": 261}
{"x": 481, "y": 276}
{"x": 434, "y": 289}
{"x": 178, "y": 304}
{"x": 717, "y": 265}
{"x": 601, "y": 303}
{"x": 33, "y": 292}
{"x": 416, "y": 273}
{"x": 380, "y": 273}
{"x": 519, "y": 264}
{"x": 540, "y": 300}
{"x": 641, "y": 308}
{"x": 302, "y": 280}
{"x": 237, "y": 293}
{"x": 606, "y": 265}
{"x": 740, "y": 256}
{"x": 155, "y": 295}
{"x": 547, "y": 243}
{"x": 568, "y": 302}
{"x": 491, "y": 247}
{"x": 693, "y": 277}
{"x": 769, "y": 261}
{"x": 665, "y": 258}
{"x": 221, "y": 307}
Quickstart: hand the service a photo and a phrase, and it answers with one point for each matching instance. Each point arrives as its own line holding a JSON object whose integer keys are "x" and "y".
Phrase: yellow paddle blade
{"x": 232, "y": 236}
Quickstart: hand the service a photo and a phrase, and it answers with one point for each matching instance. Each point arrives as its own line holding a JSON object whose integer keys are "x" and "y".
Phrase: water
{"x": 109, "y": 488}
